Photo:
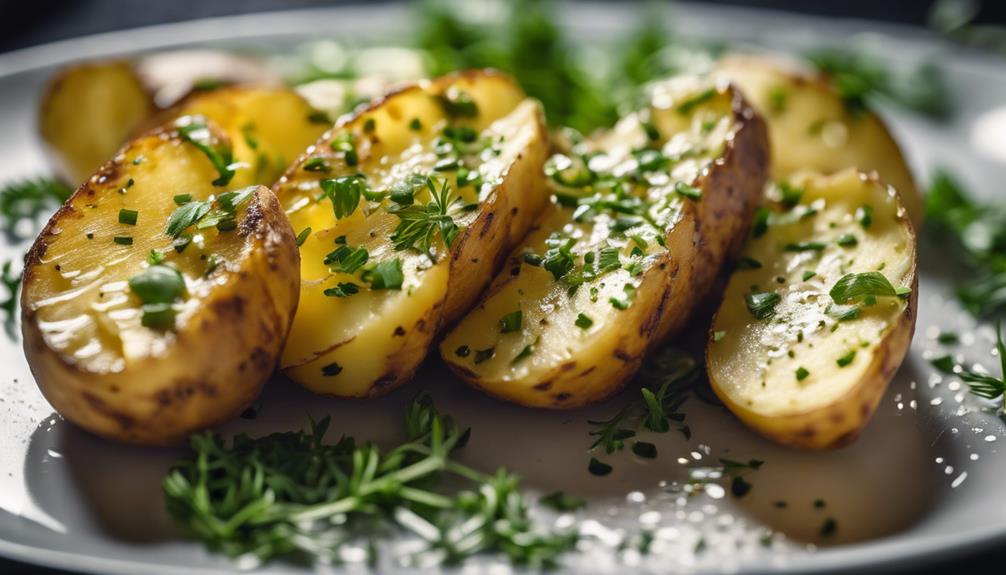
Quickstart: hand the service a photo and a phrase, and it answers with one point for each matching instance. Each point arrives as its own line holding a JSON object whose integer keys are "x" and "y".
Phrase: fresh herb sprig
{"x": 981, "y": 384}
{"x": 12, "y": 282}
{"x": 294, "y": 495}
{"x": 860, "y": 78}
{"x": 979, "y": 232}
{"x": 667, "y": 378}
{"x": 420, "y": 224}
{"x": 28, "y": 199}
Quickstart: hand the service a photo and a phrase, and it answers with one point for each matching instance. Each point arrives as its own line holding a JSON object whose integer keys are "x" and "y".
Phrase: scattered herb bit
{"x": 688, "y": 191}
{"x": 981, "y": 384}
{"x": 128, "y": 217}
{"x": 344, "y": 143}
{"x": 511, "y": 322}
{"x": 819, "y": 503}
{"x": 303, "y": 235}
{"x": 690, "y": 104}
{"x": 948, "y": 338}
{"x": 583, "y": 321}
{"x": 846, "y": 359}
{"x": 857, "y": 286}
{"x": 346, "y": 259}
{"x": 484, "y": 354}
{"x": 847, "y": 240}
{"x": 182, "y": 199}
{"x": 719, "y": 335}
{"x": 801, "y": 373}
{"x": 196, "y": 131}
{"x": 558, "y": 258}
{"x": 748, "y": 264}
{"x": 805, "y": 247}
{"x": 562, "y": 501}
{"x": 385, "y": 275}
{"x": 343, "y": 289}
{"x": 158, "y": 287}
{"x": 808, "y": 274}
{"x": 829, "y": 527}
{"x": 865, "y": 216}
{"x": 644, "y": 449}
{"x": 155, "y": 257}
{"x": 317, "y": 164}
{"x": 790, "y": 195}
{"x": 123, "y": 240}
{"x": 458, "y": 104}
{"x": 415, "y": 124}
{"x": 598, "y": 468}
{"x": 760, "y": 225}
{"x": 344, "y": 192}
{"x": 762, "y": 304}
{"x": 739, "y": 487}
{"x": 843, "y": 312}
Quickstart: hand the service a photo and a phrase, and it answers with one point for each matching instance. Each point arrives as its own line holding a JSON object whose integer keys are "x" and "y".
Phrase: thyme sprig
{"x": 420, "y": 224}
{"x": 294, "y": 495}
{"x": 666, "y": 379}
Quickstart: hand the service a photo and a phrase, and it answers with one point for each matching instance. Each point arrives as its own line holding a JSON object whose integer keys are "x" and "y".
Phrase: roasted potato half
{"x": 155, "y": 303}
{"x": 811, "y": 128}
{"x": 819, "y": 314}
{"x": 643, "y": 219}
{"x": 89, "y": 110}
{"x": 268, "y": 128}
{"x": 404, "y": 211}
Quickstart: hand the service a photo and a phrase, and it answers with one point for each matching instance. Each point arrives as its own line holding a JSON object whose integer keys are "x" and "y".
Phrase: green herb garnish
{"x": 196, "y": 131}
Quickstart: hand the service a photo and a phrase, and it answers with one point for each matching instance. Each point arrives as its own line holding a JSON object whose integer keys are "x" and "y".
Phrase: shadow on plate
{"x": 882, "y": 484}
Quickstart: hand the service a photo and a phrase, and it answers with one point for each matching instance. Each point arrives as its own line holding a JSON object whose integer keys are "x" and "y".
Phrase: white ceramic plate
{"x": 924, "y": 481}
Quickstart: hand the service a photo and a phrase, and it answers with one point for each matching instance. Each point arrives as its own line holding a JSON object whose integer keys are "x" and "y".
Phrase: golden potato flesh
{"x": 643, "y": 219}
{"x": 820, "y": 313}
{"x": 811, "y": 129}
{"x": 141, "y": 328}
{"x": 268, "y": 127}
{"x": 404, "y": 212}
{"x": 88, "y": 111}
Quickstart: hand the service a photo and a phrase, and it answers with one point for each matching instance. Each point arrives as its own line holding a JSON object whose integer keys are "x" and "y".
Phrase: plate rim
{"x": 899, "y": 550}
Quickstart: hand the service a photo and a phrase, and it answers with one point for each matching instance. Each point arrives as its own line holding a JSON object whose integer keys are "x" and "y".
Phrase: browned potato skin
{"x": 731, "y": 192}
{"x": 218, "y": 361}
{"x": 841, "y": 422}
{"x": 89, "y": 110}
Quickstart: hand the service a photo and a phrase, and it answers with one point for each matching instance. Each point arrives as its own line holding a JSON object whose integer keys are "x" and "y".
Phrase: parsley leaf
{"x": 196, "y": 131}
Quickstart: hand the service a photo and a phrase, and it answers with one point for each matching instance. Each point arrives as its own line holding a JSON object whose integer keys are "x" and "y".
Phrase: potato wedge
{"x": 268, "y": 127}
{"x": 797, "y": 351}
{"x": 457, "y": 158}
{"x": 811, "y": 129}
{"x": 89, "y": 110}
{"x": 643, "y": 219}
{"x": 145, "y": 333}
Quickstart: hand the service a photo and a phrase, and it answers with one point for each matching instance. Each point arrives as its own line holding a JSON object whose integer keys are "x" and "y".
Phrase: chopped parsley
{"x": 762, "y": 304}
{"x": 158, "y": 287}
{"x": 583, "y": 321}
{"x": 511, "y": 322}
{"x": 386, "y": 275}
{"x": 846, "y": 359}
{"x": 196, "y": 131}
{"x": 344, "y": 192}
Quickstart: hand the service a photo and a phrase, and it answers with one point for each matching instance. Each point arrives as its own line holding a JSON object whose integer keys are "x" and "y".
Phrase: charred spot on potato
{"x": 562, "y": 397}
{"x": 399, "y": 331}
{"x": 543, "y": 386}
